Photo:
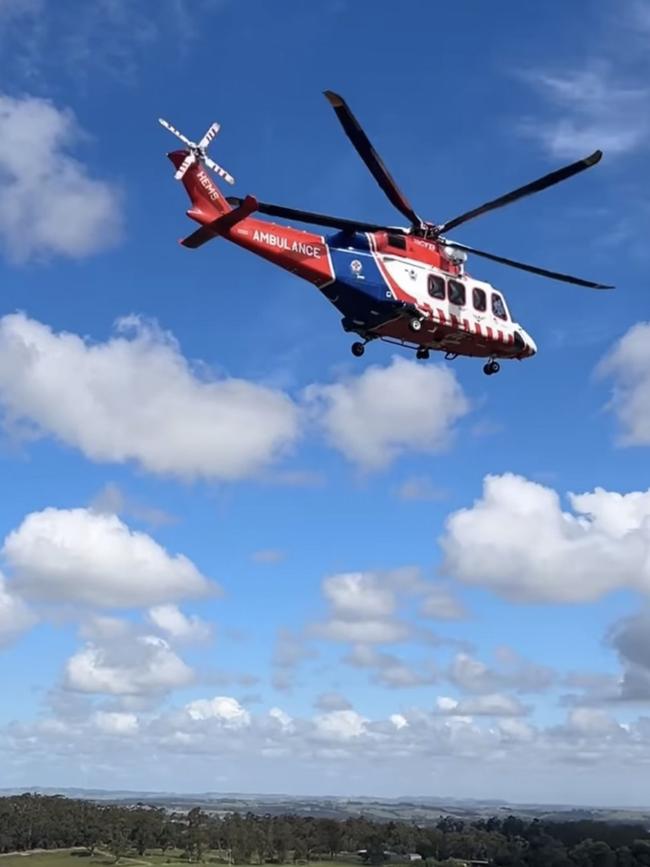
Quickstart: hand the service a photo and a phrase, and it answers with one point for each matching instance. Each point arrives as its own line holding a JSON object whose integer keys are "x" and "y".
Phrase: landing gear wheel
{"x": 358, "y": 349}
{"x": 422, "y": 353}
{"x": 491, "y": 367}
{"x": 415, "y": 324}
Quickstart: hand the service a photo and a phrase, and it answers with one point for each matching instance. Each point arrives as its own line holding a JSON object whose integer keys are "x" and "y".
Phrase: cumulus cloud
{"x": 78, "y": 555}
{"x": 385, "y": 411}
{"x": 390, "y": 671}
{"x": 178, "y": 626}
{"x": 628, "y": 365}
{"x": 513, "y": 672}
{"x": 135, "y": 397}
{"x": 379, "y": 748}
{"x": 358, "y": 595}
{"x": 114, "y": 723}
{"x": 362, "y": 606}
{"x": 138, "y": 665}
{"x": 517, "y": 540}
{"x": 225, "y": 710}
{"x": 49, "y": 203}
{"x": 340, "y": 725}
{"x": 15, "y": 616}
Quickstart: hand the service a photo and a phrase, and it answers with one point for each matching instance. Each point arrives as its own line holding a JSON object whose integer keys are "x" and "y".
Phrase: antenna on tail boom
{"x": 198, "y": 152}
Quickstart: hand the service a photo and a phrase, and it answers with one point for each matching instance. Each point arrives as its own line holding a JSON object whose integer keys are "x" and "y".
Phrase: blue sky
{"x": 235, "y": 558}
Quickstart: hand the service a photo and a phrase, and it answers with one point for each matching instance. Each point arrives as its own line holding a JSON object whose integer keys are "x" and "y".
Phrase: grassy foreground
{"x": 79, "y": 858}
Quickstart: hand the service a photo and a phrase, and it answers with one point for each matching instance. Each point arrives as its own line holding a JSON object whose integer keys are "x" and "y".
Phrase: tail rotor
{"x": 198, "y": 152}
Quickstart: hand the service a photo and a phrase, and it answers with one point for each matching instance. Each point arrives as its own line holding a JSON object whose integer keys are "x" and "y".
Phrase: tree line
{"x": 54, "y": 822}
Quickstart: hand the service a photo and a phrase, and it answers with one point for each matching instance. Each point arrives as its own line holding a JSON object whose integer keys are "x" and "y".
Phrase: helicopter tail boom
{"x": 208, "y": 202}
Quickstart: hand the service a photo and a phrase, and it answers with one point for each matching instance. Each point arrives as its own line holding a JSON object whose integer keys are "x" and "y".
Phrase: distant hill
{"x": 424, "y": 810}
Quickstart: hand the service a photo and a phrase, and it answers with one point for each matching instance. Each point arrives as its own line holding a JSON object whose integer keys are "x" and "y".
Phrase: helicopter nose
{"x": 531, "y": 346}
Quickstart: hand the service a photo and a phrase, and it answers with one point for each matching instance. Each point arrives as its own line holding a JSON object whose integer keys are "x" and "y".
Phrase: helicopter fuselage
{"x": 394, "y": 287}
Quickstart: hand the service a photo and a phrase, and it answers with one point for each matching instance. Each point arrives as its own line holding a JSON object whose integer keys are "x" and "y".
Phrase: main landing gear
{"x": 422, "y": 353}
{"x": 491, "y": 367}
{"x": 358, "y": 349}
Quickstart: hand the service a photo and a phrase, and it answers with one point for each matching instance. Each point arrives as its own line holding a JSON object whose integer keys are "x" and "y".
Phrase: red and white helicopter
{"x": 403, "y": 285}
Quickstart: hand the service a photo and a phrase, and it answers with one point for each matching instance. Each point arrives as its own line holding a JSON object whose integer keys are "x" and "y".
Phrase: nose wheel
{"x": 422, "y": 353}
{"x": 358, "y": 349}
{"x": 491, "y": 368}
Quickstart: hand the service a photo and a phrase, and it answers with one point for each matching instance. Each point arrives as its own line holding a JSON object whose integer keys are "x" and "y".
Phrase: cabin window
{"x": 436, "y": 286}
{"x": 498, "y": 307}
{"x": 479, "y": 299}
{"x": 456, "y": 293}
{"x": 397, "y": 241}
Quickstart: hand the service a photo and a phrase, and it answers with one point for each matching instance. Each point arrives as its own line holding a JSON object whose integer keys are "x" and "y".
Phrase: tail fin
{"x": 208, "y": 203}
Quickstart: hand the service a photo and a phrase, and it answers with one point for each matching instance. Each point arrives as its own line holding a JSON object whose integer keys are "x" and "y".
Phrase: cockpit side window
{"x": 479, "y": 299}
{"x": 436, "y": 286}
{"x": 498, "y": 307}
{"x": 456, "y": 293}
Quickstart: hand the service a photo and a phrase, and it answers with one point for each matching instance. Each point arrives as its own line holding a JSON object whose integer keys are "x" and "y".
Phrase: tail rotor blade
{"x": 223, "y": 174}
{"x": 177, "y": 133}
{"x": 184, "y": 166}
{"x": 210, "y": 134}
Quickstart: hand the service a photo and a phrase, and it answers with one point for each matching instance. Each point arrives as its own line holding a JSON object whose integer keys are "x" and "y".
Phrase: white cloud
{"x": 362, "y": 606}
{"x": 517, "y": 540}
{"x": 177, "y": 625}
{"x": 628, "y": 364}
{"x": 136, "y": 666}
{"x": 389, "y": 670}
{"x": 474, "y": 676}
{"x": 282, "y": 718}
{"x": 15, "y": 617}
{"x": 114, "y": 723}
{"x": 136, "y": 397}
{"x": 49, "y": 204}
{"x": 355, "y": 595}
{"x": 591, "y": 110}
{"x": 225, "y": 710}
{"x": 591, "y": 721}
{"x": 340, "y": 725}
{"x": 512, "y": 729}
{"x": 78, "y": 555}
{"x": 384, "y": 411}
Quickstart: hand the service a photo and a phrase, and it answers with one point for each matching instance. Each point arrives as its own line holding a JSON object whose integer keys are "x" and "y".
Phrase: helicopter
{"x": 404, "y": 285}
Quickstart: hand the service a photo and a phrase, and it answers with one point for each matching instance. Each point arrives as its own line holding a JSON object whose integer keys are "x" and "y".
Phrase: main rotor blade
{"x": 319, "y": 219}
{"x": 176, "y": 132}
{"x": 543, "y": 272}
{"x": 534, "y": 187}
{"x": 370, "y": 157}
